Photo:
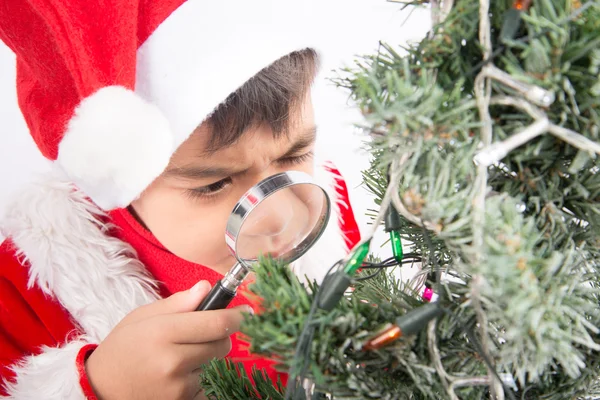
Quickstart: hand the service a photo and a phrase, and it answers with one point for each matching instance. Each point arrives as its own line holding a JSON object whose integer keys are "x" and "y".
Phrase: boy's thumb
{"x": 185, "y": 301}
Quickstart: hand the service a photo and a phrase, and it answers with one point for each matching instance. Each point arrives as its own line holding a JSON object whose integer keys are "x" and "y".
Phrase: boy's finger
{"x": 204, "y": 326}
{"x": 194, "y": 355}
{"x": 179, "y": 302}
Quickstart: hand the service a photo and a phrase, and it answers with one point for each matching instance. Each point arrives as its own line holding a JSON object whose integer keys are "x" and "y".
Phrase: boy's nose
{"x": 272, "y": 216}
{"x": 274, "y": 226}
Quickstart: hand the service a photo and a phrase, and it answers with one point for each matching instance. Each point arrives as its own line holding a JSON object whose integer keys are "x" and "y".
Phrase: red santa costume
{"x": 109, "y": 91}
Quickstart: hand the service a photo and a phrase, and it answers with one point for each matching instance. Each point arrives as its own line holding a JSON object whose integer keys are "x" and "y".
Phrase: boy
{"x": 158, "y": 116}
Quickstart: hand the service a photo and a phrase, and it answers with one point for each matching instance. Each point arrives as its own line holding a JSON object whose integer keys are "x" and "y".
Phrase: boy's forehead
{"x": 300, "y": 120}
{"x": 255, "y": 142}
{"x": 199, "y": 143}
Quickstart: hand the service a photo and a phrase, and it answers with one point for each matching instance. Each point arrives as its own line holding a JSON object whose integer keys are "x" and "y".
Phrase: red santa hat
{"x": 110, "y": 89}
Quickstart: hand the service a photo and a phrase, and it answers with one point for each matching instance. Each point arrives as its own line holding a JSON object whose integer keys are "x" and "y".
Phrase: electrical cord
{"x": 304, "y": 345}
{"x": 409, "y": 258}
{"x": 373, "y": 275}
{"x": 392, "y": 262}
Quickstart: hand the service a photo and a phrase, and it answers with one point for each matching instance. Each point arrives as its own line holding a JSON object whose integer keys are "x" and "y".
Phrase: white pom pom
{"x": 115, "y": 145}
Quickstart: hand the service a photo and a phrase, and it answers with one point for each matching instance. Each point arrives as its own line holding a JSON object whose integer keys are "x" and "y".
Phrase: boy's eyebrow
{"x": 307, "y": 138}
{"x": 198, "y": 172}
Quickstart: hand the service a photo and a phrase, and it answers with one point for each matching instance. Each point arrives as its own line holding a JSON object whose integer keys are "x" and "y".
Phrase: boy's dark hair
{"x": 267, "y": 98}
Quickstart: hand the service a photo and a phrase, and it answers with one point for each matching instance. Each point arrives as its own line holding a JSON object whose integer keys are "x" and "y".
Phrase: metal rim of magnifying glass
{"x": 256, "y": 195}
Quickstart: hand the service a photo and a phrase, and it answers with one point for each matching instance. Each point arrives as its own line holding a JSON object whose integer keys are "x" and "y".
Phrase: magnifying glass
{"x": 281, "y": 216}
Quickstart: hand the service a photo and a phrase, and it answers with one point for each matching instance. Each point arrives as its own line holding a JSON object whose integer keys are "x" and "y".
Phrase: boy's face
{"x": 187, "y": 207}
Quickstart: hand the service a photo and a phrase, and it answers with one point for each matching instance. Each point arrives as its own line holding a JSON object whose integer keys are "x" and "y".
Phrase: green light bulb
{"x": 396, "y": 245}
{"x": 357, "y": 258}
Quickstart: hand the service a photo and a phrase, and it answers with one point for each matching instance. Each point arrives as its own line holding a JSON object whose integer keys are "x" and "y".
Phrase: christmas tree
{"x": 484, "y": 139}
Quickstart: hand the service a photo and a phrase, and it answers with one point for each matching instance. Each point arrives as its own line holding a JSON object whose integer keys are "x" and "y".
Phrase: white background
{"x": 357, "y": 30}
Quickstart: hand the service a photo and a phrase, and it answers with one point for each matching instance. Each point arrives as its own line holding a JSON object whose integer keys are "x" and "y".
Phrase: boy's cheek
{"x": 188, "y": 228}
{"x": 194, "y": 229}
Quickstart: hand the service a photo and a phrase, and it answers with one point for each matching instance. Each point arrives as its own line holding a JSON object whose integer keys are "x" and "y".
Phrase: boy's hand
{"x": 156, "y": 351}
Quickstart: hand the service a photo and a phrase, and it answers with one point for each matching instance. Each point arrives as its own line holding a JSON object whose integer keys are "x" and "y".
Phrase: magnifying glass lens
{"x": 284, "y": 224}
{"x": 281, "y": 216}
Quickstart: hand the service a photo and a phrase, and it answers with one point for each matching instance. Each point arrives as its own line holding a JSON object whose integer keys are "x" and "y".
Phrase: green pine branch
{"x": 223, "y": 379}
{"x": 337, "y": 364}
{"x": 541, "y": 231}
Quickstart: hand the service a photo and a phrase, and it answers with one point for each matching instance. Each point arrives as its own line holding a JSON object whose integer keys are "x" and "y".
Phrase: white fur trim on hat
{"x": 115, "y": 145}
{"x": 206, "y": 50}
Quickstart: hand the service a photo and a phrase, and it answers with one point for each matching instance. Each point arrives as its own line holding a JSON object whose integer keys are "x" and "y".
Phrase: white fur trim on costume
{"x": 115, "y": 145}
{"x": 51, "y": 375}
{"x": 205, "y": 50}
{"x": 94, "y": 276}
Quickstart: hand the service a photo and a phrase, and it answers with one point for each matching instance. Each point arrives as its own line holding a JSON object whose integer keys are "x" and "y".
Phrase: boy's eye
{"x": 210, "y": 190}
{"x": 296, "y": 159}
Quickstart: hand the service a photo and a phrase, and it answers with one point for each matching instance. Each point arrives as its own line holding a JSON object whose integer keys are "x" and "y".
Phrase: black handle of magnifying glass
{"x": 218, "y": 298}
